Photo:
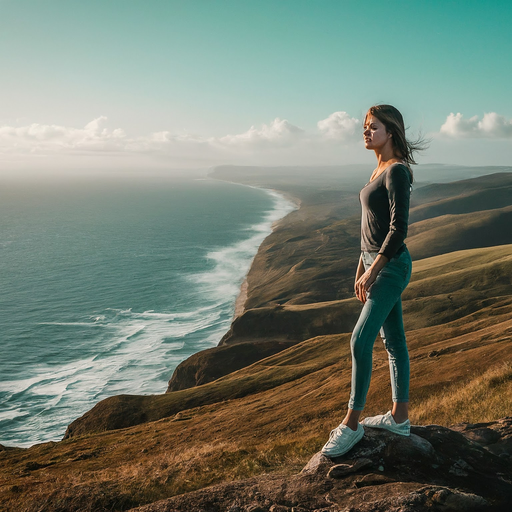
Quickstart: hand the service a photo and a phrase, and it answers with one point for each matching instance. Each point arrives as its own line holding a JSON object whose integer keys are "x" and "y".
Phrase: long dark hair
{"x": 392, "y": 119}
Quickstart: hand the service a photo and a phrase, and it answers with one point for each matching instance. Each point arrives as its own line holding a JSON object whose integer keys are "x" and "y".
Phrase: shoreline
{"x": 241, "y": 298}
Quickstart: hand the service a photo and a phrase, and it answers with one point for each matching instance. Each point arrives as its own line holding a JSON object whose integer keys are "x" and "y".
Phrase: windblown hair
{"x": 392, "y": 119}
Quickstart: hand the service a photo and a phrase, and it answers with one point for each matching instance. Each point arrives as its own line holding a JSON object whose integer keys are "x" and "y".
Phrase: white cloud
{"x": 276, "y": 143}
{"x": 491, "y": 125}
{"x": 340, "y": 126}
{"x": 43, "y": 137}
{"x": 94, "y": 136}
{"x": 279, "y": 132}
{"x": 334, "y": 140}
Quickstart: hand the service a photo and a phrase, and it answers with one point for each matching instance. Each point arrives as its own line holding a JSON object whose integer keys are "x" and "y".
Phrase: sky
{"x": 168, "y": 84}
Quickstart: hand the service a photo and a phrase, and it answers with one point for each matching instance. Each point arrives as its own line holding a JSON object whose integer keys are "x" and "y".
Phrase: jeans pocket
{"x": 404, "y": 262}
{"x": 398, "y": 268}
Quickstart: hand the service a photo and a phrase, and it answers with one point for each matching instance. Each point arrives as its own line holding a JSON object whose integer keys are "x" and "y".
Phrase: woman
{"x": 383, "y": 273}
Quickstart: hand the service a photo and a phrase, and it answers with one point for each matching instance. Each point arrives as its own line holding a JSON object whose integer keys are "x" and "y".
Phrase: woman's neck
{"x": 383, "y": 162}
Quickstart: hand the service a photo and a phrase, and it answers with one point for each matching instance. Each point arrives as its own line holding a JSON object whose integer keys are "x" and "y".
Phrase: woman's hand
{"x": 364, "y": 283}
{"x": 365, "y": 279}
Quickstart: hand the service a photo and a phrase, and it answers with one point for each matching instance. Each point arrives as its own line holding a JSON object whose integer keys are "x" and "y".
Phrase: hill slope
{"x": 450, "y": 294}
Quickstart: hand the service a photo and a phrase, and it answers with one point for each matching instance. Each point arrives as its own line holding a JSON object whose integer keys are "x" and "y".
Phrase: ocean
{"x": 108, "y": 284}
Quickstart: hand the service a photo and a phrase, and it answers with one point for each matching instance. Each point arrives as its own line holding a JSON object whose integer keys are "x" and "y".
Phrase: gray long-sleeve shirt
{"x": 385, "y": 205}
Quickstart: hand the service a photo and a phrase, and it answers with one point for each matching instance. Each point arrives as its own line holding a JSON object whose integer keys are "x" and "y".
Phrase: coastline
{"x": 240, "y": 300}
{"x": 239, "y": 307}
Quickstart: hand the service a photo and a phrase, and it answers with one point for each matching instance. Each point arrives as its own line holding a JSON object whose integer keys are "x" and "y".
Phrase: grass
{"x": 154, "y": 476}
{"x": 481, "y": 399}
{"x": 271, "y": 430}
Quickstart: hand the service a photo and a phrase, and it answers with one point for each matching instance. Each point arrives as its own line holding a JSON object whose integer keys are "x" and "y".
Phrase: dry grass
{"x": 274, "y": 430}
{"x": 484, "y": 398}
{"x": 167, "y": 473}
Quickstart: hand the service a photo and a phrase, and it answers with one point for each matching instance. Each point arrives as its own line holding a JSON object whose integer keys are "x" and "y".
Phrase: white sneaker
{"x": 341, "y": 440}
{"x": 387, "y": 422}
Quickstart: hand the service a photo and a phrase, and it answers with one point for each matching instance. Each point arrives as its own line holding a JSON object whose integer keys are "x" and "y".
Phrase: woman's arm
{"x": 398, "y": 185}
{"x": 360, "y": 269}
{"x": 365, "y": 280}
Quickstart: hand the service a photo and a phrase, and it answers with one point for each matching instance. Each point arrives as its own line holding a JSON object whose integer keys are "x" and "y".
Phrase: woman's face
{"x": 375, "y": 134}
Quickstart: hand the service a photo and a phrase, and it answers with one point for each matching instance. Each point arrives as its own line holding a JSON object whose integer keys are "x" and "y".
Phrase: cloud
{"x": 94, "y": 136}
{"x": 340, "y": 126}
{"x": 279, "y": 132}
{"x": 277, "y": 142}
{"x": 43, "y": 137}
{"x": 491, "y": 125}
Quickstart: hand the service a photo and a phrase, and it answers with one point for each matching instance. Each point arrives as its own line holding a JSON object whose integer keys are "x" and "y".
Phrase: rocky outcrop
{"x": 437, "y": 469}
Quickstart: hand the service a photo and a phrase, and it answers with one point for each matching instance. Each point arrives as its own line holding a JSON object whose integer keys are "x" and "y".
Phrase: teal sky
{"x": 199, "y": 70}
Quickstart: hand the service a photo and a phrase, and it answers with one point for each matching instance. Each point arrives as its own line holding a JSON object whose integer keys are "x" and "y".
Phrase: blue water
{"x": 108, "y": 284}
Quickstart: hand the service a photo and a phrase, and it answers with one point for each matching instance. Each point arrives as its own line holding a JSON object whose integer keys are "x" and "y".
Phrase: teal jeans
{"x": 382, "y": 313}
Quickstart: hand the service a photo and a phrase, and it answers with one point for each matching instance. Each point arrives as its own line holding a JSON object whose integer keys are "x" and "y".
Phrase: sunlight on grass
{"x": 484, "y": 398}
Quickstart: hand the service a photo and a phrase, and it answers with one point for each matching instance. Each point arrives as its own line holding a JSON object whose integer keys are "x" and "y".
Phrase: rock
{"x": 503, "y": 447}
{"x": 460, "y": 468}
{"x": 341, "y": 470}
{"x": 483, "y": 436}
{"x": 255, "y": 507}
{"x": 447, "y": 500}
{"x": 372, "y": 479}
{"x": 413, "y": 447}
{"x": 495, "y": 436}
{"x": 317, "y": 464}
{"x": 279, "y": 508}
{"x": 425, "y": 499}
